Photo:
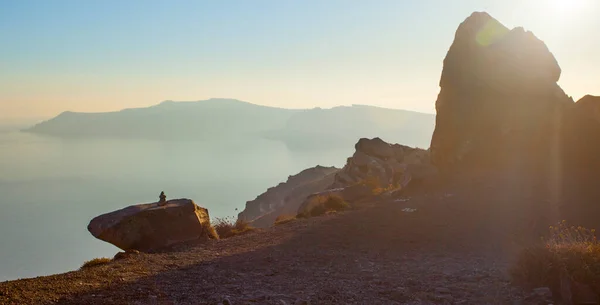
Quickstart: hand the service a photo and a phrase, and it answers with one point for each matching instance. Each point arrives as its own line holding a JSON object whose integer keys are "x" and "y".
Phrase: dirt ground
{"x": 455, "y": 248}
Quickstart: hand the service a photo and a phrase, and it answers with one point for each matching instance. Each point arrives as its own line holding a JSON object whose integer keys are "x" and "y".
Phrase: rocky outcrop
{"x": 501, "y": 112}
{"x": 377, "y": 168}
{"x": 286, "y": 197}
{"x": 146, "y": 227}
{"x": 386, "y": 164}
{"x": 375, "y": 164}
{"x": 498, "y": 90}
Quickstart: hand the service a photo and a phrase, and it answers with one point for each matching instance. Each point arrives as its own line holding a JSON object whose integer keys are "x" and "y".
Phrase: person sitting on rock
{"x": 162, "y": 199}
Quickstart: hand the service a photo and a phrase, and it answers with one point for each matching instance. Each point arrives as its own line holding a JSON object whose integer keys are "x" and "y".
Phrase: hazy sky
{"x": 107, "y": 55}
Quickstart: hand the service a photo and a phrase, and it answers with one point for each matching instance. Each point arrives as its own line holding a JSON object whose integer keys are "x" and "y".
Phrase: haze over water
{"x": 51, "y": 188}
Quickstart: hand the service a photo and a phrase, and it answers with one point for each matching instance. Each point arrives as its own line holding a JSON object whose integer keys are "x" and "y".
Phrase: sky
{"x": 107, "y": 55}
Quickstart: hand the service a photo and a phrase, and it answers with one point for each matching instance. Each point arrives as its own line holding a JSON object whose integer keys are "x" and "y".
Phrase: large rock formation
{"x": 499, "y": 96}
{"x": 286, "y": 197}
{"x": 377, "y": 168}
{"x": 386, "y": 164}
{"x": 501, "y": 111}
{"x": 150, "y": 226}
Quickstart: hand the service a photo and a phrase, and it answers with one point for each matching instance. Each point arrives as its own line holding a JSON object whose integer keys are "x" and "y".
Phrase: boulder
{"x": 499, "y": 99}
{"x": 146, "y": 227}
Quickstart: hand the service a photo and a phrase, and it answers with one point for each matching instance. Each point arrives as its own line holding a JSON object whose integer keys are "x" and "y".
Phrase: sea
{"x": 50, "y": 188}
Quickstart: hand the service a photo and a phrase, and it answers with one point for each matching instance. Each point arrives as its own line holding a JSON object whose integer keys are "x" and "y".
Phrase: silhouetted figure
{"x": 162, "y": 199}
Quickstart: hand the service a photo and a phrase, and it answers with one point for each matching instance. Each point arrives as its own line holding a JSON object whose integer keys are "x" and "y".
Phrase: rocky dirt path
{"x": 454, "y": 249}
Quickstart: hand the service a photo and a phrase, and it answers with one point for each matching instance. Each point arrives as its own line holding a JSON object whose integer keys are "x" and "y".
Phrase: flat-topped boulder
{"x": 150, "y": 226}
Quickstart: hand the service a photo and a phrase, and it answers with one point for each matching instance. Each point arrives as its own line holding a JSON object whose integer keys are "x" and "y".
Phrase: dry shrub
{"x": 96, "y": 262}
{"x": 228, "y": 227}
{"x": 319, "y": 205}
{"x": 380, "y": 190}
{"x": 377, "y": 188}
{"x": 573, "y": 252}
{"x": 283, "y": 219}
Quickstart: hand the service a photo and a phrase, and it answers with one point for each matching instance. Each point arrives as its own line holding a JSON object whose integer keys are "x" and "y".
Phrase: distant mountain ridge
{"x": 344, "y": 125}
{"x": 218, "y": 119}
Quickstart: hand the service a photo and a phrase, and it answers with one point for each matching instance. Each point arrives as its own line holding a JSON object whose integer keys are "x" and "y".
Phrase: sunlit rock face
{"x": 498, "y": 90}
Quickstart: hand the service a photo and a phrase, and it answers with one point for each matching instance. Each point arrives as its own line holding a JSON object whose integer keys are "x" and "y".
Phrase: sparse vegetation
{"x": 572, "y": 251}
{"x": 376, "y": 187}
{"x": 96, "y": 262}
{"x": 283, "y": 219}
{"x": 228, "y": 227}
{"x": 380, "y": 190}
{"x": 319, "y": 205}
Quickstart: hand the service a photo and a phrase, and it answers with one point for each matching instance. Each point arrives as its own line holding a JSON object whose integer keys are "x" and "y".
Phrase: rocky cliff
{"x": 389, "y": 167}
{"x": 387, "y": 164}
{"x": 286, "y": 197}
{"x": 375, "y": 170}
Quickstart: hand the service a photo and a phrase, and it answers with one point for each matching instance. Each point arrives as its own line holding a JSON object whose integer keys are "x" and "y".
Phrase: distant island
{"x": 226, "y": 119}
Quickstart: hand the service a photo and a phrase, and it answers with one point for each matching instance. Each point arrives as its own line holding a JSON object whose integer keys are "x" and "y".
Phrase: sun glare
{"x": 568, "y": 6}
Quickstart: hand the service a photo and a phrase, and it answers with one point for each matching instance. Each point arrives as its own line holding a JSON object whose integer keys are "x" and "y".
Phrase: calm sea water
{"x": 51, "y": 188}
